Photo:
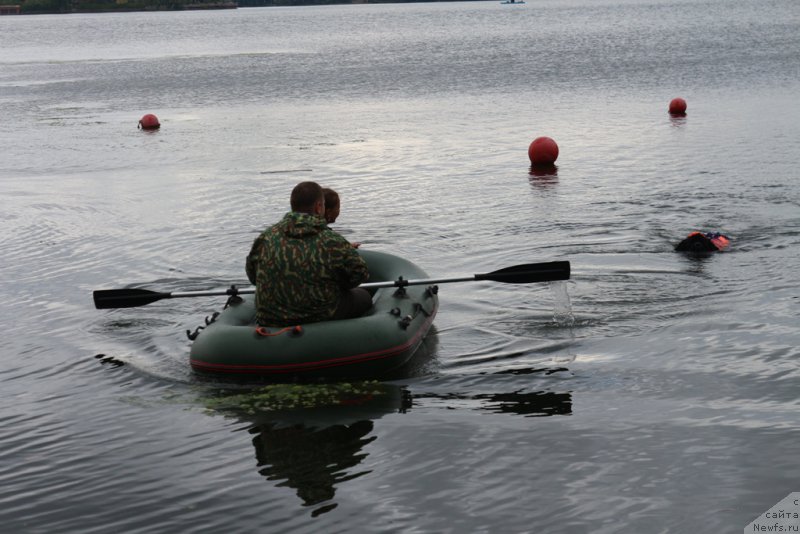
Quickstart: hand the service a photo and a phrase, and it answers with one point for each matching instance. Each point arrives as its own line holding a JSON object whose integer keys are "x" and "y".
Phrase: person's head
{"x": 307, "y": 197}
{"x": 331, "y": 205}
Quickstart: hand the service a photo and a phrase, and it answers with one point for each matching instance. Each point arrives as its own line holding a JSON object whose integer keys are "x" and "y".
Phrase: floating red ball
{"x": 149, "y": 122}
{"x": 677, "y": 106}
{"x": 543, "y": 151}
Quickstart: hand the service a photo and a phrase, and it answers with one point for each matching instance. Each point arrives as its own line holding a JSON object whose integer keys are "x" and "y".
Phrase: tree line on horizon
{"x": 104, "y": 6}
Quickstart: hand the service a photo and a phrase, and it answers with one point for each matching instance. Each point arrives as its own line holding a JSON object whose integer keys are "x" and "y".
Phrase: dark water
{"x": 651, "y": 393}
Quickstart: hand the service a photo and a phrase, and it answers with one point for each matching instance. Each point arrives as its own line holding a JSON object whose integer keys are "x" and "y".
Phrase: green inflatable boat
{"x": 369, "y": 346}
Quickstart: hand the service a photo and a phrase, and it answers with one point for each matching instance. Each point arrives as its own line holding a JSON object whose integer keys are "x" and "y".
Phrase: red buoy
{"x": 677, "y": 106}
{"x": 149, "y": 122}
{"x": 543, "y": 151}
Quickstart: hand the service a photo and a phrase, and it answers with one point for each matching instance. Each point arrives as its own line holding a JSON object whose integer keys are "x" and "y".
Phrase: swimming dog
{"x": 699, "y": 242}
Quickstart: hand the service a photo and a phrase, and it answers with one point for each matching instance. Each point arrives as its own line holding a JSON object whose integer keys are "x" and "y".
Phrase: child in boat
{"x": 332, "y": 207}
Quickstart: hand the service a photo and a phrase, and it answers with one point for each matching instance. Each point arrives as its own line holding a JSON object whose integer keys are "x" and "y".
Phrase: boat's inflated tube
{"x": 366, "y": 347}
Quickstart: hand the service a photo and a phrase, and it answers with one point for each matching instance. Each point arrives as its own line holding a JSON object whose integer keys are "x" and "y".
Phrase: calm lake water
{"x": 653, "y": 392}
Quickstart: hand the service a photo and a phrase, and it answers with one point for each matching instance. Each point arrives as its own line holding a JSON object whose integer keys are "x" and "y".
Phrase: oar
{"x": 131, "y": 298}
{"x": 518, "y": 274}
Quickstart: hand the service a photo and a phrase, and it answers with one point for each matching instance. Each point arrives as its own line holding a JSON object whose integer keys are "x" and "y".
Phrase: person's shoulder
{"x": 332, "y": 236}
{"x": 329, "y": 232}
{"x": 263, "y": 234}
{"x": 278, "y": 226}
{"x": 267, "y": 233}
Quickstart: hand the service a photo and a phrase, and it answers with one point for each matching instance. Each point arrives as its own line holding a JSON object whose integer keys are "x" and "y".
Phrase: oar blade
{"x": 125, "y": 298}
{"x": 531, "y": 272}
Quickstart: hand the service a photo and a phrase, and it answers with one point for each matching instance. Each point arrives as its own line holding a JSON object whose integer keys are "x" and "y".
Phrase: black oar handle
{"x": 131, "y": 298}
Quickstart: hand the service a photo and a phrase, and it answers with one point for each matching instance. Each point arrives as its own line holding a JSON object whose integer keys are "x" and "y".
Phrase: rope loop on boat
{"x": 293, "y": 330}
{"x": 193, "y": 335}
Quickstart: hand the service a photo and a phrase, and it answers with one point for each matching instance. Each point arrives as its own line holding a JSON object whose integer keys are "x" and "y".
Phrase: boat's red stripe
{"x": 319, "y": 364}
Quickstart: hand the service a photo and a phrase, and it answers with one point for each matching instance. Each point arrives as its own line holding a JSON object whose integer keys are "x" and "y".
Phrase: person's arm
{"x": 251, "y": 264}
{"x": 351, "y": 267}
{"x": 357, "y": 267}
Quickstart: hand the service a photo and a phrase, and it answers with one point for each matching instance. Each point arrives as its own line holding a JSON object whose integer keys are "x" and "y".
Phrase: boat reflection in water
{"x": 527, "y": 404}
{"x": 310, "y": 437}
{"x": 312, "y": 461}
{"x": 317, "y": 455}
{"x": 535, "y": 404}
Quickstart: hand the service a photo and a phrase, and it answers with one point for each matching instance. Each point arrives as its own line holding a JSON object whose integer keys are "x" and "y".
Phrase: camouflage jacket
{"x": 300, "y": 267}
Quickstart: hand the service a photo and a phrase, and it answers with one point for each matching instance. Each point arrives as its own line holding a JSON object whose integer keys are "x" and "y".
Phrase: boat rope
{"x": 294, "y": 330}
{"x": 208, "y": 320}
{"x": 193, "y": 335}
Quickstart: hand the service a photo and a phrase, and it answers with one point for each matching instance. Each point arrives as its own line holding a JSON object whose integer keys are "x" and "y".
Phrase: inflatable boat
{"x": 366, "y": 347}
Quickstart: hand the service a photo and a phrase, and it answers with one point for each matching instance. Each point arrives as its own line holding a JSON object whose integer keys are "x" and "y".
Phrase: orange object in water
{"x": 721, "y": 241}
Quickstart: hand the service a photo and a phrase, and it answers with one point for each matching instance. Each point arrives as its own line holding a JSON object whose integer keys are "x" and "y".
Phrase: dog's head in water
{"x": 699, "y": 243}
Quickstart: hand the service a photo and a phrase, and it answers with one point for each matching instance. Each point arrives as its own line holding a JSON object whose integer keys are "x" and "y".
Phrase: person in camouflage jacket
{"x": 303, "y": 271}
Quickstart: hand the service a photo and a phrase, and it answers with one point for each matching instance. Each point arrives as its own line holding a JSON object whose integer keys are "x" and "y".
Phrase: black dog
{"x": 701, "y": 243}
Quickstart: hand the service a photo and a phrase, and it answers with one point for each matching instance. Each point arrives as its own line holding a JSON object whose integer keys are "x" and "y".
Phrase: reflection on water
{"x": 109, "y": 360}
{"x": 315, "y": 461}
{"x": 527, "y": 404}
{"x": 531, "y": 371}
{"x": 544, "y": 170}
{"x": 677, "y": 121}
{"x": 539, "y": 403}
{"x": 311, "y": 437}
{"x": 311, "y": 405}
{"x": 695, "y": 263}
{"x": 312, "y": 461}
{"x": 543, "y": 175}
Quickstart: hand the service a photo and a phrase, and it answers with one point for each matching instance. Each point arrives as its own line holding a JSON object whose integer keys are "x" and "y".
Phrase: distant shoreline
{"x": 66, "y": 7}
